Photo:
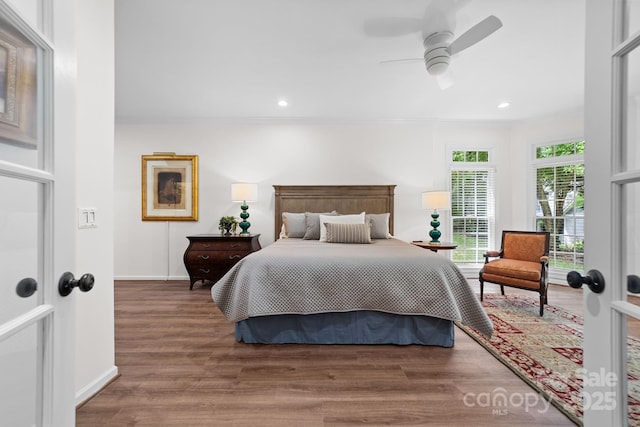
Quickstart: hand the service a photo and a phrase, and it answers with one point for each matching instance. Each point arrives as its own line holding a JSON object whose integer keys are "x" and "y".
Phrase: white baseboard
{"x": 160, "y": 278}
{"x": 558, "y": 277}
{"x": 98, "y": 384}
{"x": 470, "y": 271}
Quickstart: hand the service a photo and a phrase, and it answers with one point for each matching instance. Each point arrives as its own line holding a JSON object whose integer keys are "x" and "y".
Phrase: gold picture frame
{"x": 169, "y": 187}
{"x": 18, "y": 88}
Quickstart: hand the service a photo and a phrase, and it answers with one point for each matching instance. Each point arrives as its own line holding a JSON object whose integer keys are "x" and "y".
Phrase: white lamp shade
{"x": 244, "y": 192}
{"x": 436, "y": 200}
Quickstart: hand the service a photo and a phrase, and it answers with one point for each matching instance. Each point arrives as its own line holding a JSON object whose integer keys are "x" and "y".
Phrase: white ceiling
{"x": 235, "y": 59}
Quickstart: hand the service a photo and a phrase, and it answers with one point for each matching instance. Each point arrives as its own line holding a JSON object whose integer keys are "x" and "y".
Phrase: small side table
{"x": 210, "y": 256}
{"x": 435, "y": 247}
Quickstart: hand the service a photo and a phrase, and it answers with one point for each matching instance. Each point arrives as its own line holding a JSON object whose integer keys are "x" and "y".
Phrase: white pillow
{"x": 339, "y": 219}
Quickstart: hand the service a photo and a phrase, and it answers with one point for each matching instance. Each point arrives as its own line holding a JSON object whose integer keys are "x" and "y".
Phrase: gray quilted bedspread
{"x": 296, "y": 276}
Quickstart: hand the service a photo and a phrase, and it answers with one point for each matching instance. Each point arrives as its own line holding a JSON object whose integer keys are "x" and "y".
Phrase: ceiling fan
{"x": 437, "y": 30}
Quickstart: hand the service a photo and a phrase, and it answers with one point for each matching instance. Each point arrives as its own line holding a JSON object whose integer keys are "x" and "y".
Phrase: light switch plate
{"x": 87, "y": 218}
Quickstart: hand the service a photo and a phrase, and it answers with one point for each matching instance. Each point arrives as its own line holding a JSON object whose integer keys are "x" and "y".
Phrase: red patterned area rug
{"x": 546, "y": 351}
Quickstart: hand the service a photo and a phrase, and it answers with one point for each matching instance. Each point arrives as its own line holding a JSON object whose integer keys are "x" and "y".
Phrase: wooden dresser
{"x": 210, "y": 256}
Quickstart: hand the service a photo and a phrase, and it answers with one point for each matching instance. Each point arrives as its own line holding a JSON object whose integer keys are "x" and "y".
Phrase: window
{"x": 470, "y": 156}
{"x": 472, "y": 205}
{"x": 559, "y": 176}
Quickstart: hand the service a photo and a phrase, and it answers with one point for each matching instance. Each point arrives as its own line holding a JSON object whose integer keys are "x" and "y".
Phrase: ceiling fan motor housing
{"x": 436, "y": 52}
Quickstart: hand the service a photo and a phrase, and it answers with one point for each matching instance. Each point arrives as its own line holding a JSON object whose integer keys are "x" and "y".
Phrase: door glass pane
{"x": 19, "y": 366}
{"x": 20, "y": 118}
{"x": 19, "y": 231}
{"x": 632, "y": 17}
{"x": 631, "y": 151}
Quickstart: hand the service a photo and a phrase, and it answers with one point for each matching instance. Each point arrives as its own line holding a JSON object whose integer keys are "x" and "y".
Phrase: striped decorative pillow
{"x": 348, "y": 233}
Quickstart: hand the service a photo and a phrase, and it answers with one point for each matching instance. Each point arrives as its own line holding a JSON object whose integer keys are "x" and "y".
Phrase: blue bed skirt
{"x": 353, "y": 327}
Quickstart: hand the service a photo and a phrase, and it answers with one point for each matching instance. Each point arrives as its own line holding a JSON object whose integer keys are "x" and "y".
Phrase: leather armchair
{"x": 522, "y": 262}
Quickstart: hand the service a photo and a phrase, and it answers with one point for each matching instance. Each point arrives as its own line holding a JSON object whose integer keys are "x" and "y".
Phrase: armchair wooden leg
{"x": 481, "y": 289}
{"x": 502, "y": 289}
{"x": 543, "y": 299}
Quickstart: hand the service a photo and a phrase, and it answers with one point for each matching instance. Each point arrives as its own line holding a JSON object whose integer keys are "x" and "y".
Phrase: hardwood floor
{"x": 181, "y": 366}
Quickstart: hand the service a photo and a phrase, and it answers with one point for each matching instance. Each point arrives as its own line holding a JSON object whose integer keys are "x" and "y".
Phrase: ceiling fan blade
{"x": 390, "y": 27}
{"x": 390, "y": 61}
{"x": 440, "y": 15}
{"x": 475, "y": 34}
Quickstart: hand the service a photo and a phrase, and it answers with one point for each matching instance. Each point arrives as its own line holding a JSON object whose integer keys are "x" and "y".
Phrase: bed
{"x": 310, "y": 286}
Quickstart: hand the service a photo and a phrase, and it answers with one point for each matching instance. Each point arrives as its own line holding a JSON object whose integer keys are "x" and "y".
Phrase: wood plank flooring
{"x": 181, "y": 366}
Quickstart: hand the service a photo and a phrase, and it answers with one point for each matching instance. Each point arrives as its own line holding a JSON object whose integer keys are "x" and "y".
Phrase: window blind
{"x": 472, "y": 212}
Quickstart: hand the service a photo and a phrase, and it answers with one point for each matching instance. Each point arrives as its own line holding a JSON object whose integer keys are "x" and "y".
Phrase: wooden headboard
{"x": 346, "y": 199}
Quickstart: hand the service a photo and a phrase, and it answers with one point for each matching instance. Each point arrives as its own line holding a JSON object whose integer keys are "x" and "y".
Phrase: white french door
{"x": 37, "y": 217}
{"x": 612, "y": 192}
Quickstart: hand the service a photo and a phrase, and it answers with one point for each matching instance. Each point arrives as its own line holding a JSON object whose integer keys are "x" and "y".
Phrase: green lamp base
{"x": 435, "y": 233}
{"x": 244, "y": 224}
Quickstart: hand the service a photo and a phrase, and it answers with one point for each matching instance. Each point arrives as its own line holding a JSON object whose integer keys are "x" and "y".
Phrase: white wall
{"x": 411, "y": 155}
{"x": 95, "y": 349}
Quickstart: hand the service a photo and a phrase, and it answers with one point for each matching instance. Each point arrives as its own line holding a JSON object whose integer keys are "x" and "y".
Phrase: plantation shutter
{"x": 472, "y": 212}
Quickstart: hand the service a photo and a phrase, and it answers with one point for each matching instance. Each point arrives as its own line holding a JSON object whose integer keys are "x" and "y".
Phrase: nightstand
{"x": 435, "y": 247}
{"x": 210, "y": 256}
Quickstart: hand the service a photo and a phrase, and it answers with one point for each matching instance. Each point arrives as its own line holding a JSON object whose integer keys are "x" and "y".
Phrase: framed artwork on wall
{"x": 169, "y": 187}
{"x": 18, "y": 89}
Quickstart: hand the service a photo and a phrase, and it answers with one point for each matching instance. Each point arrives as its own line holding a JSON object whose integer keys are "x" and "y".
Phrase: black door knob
{"x": 26, "y": 287}
{"x": 633, "y": 284}
{"x": 594, "y": 279}
{"x": 67, "y": 282}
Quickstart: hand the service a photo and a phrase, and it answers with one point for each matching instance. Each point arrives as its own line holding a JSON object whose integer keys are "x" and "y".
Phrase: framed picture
{"x": 169, "y": 187}
{"x": 18, "y": 89}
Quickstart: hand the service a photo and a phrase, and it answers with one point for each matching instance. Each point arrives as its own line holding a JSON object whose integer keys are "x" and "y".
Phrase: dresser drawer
{"x": 208, "y": 272}
{"x": 206, "y": 258}
{"x": 221, "y": 245}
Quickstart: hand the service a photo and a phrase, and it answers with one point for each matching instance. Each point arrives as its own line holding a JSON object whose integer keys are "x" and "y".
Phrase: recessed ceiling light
{"x": 504, "y": 104}
{"x": 282, "y": 103}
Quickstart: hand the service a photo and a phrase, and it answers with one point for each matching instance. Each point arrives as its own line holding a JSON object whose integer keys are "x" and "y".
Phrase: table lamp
{"x": 436, "y": 200}
{"x": 243, "y": 192}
